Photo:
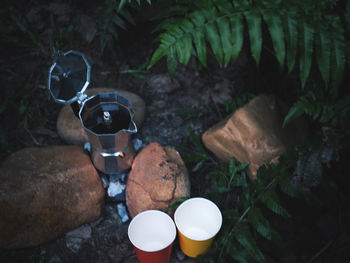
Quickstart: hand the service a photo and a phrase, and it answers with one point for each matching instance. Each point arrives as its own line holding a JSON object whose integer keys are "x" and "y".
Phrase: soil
{"x": 195, "y": 97}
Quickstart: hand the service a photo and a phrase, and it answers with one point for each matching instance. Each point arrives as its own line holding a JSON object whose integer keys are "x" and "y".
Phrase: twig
{"x": 31, "y": 135}
{"x": 319, "y": 253}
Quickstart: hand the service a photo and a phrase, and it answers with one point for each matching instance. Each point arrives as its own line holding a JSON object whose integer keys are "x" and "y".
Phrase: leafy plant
{"x": 29, "y": 38}
{"x": 244, "y": 216}
{"x": 298, "y": 31}
{"x": 233, "y": 105}
{"x": 23, "y": 102}
{"x": 61, "y": 37}
{"x": 111, "y": 15}
{"x": 321, "y": 107}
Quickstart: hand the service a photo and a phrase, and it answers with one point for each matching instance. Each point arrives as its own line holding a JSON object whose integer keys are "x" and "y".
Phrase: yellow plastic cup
{"x": 197, "y": 220}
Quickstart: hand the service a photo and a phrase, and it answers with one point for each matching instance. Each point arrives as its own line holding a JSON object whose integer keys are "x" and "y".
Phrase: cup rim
{"x": 172, "y": 226}
{"x": 203, "y": 200}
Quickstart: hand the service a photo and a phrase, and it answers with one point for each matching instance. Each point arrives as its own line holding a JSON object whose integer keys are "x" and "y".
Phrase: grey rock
{"x": 122, "y": 212}
{"x": 104, "y": 181}
{"x": 74, "y": 244}
{"x": 112, "y": 213}
{"x": 83, "y": 232}
{"x": 115, "y": 189}
{"x": 132, "y": 259}
{"x": 59, "y": 9}
{"x": 174, "y": 260}
{"x": 86, "y": 27}
{"x": 55, "y": 259}
{"x": 162, "y": 83}
{"x": 179, "y": 254}
{"x": 75, "y": 238}
{"x": 137, "y": 144}
{"x": 96, "y": 222}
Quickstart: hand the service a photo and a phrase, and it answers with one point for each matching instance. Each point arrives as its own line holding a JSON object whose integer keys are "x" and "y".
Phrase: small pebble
{"x": 122, "y": 212}
{"x": 104, "y": 181}
{"x": 138, "y": 144}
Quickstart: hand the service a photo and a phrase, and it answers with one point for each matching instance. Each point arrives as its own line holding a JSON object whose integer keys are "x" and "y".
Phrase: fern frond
{"x": 260, "y": 223}
{"x": 244, "y": 237}
{"x": 338, "y": 54}
{"x": 271, "y": 200}
{"x": 323, "y": 50}
{"x": 253, "y": 18}
{"x": 287, "y": 187}
{"x": 306, "y": 49}
{"x": 215, "y": 41}
{"x": 290, "y": 25}
{"x": 274, "y": 23}
{"x": 123, "y": 2}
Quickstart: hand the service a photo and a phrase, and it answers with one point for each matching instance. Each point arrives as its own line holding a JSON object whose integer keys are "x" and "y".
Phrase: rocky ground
{"x": 195, "y": 97}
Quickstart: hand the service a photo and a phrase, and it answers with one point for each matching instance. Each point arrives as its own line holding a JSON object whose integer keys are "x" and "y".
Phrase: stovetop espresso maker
{"x": 107, "y": 118}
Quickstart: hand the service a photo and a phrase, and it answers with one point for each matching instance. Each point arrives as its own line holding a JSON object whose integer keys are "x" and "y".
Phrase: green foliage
{"x": 62, "y": 38}
{"x": 321, "y": 107}
{"x": 28, "y": 39}
{"x": 233, "y": 105}
{"x": 110, "y": 16}
{"x": 123, "y": 2}
{"x": 23, "y": 102}
{"x": 245, "y": 216}
{"x": 298, "y": 30}
{"x": 140, "y": 72}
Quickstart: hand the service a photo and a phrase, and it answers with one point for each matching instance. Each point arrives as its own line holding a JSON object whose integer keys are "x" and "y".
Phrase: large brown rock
{"x": 254, "y": 134}
{"x": 70, "y": 129}
{"x": 45, "y": 192}
{"x": 158, "y": 178}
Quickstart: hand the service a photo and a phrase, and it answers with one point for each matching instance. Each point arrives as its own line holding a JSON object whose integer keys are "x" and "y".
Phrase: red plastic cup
{"x": 152, "y": 233}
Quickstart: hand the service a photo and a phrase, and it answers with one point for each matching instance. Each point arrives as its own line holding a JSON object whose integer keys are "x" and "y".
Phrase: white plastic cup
{"x": 198, "y": 220}
{"x": 152, "y": 233}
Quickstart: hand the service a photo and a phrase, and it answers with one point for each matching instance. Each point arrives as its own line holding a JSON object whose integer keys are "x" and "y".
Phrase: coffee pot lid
{"x": 69, "y": 77}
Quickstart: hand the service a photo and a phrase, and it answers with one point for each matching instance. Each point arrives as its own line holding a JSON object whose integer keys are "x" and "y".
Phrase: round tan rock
{"x": 45, "y": 192}
{"x": 158, "y": 178}
{"x": 254, "y": 133}
{"x": 69, "y": 127}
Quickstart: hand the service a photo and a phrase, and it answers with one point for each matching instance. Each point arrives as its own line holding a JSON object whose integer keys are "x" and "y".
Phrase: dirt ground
{"x": 195, "y": 97}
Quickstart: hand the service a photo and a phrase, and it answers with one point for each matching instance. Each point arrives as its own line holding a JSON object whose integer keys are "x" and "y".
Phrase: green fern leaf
{"x": 184, "y": 49}
{"x": 323, "y": 51}
{"x": 259, "y": 223}
{"x": 198, "y": 37}
{"x": 158, "y": 54}
{"x": 294, "y": 112}
{"x": 291, "y": 29}
{"x": 287, "y": 187}
{"x": 128, "y": 17}
{"x": 237, "y": 35}
{"x": 245, "y": 239}
{"x": 119, "y": 22}
{"x": 274, "y": 23}
{"x": 225, "y": 35}
{"x": 238, "y": 253}
{"x": 338, "y": 60}
{"x": 306, "y": 50}
{"x": 255, "y": 35}
{"x": 172, "y": 64}
{"x": 271, "y": 200}
{"x": 215, "y": 42}
{"x": 121, "y": 4}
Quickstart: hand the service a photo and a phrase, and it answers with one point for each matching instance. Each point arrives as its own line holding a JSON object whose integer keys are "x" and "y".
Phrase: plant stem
{"x": 233, "y": 227}
{"x": 321, "y": 251}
